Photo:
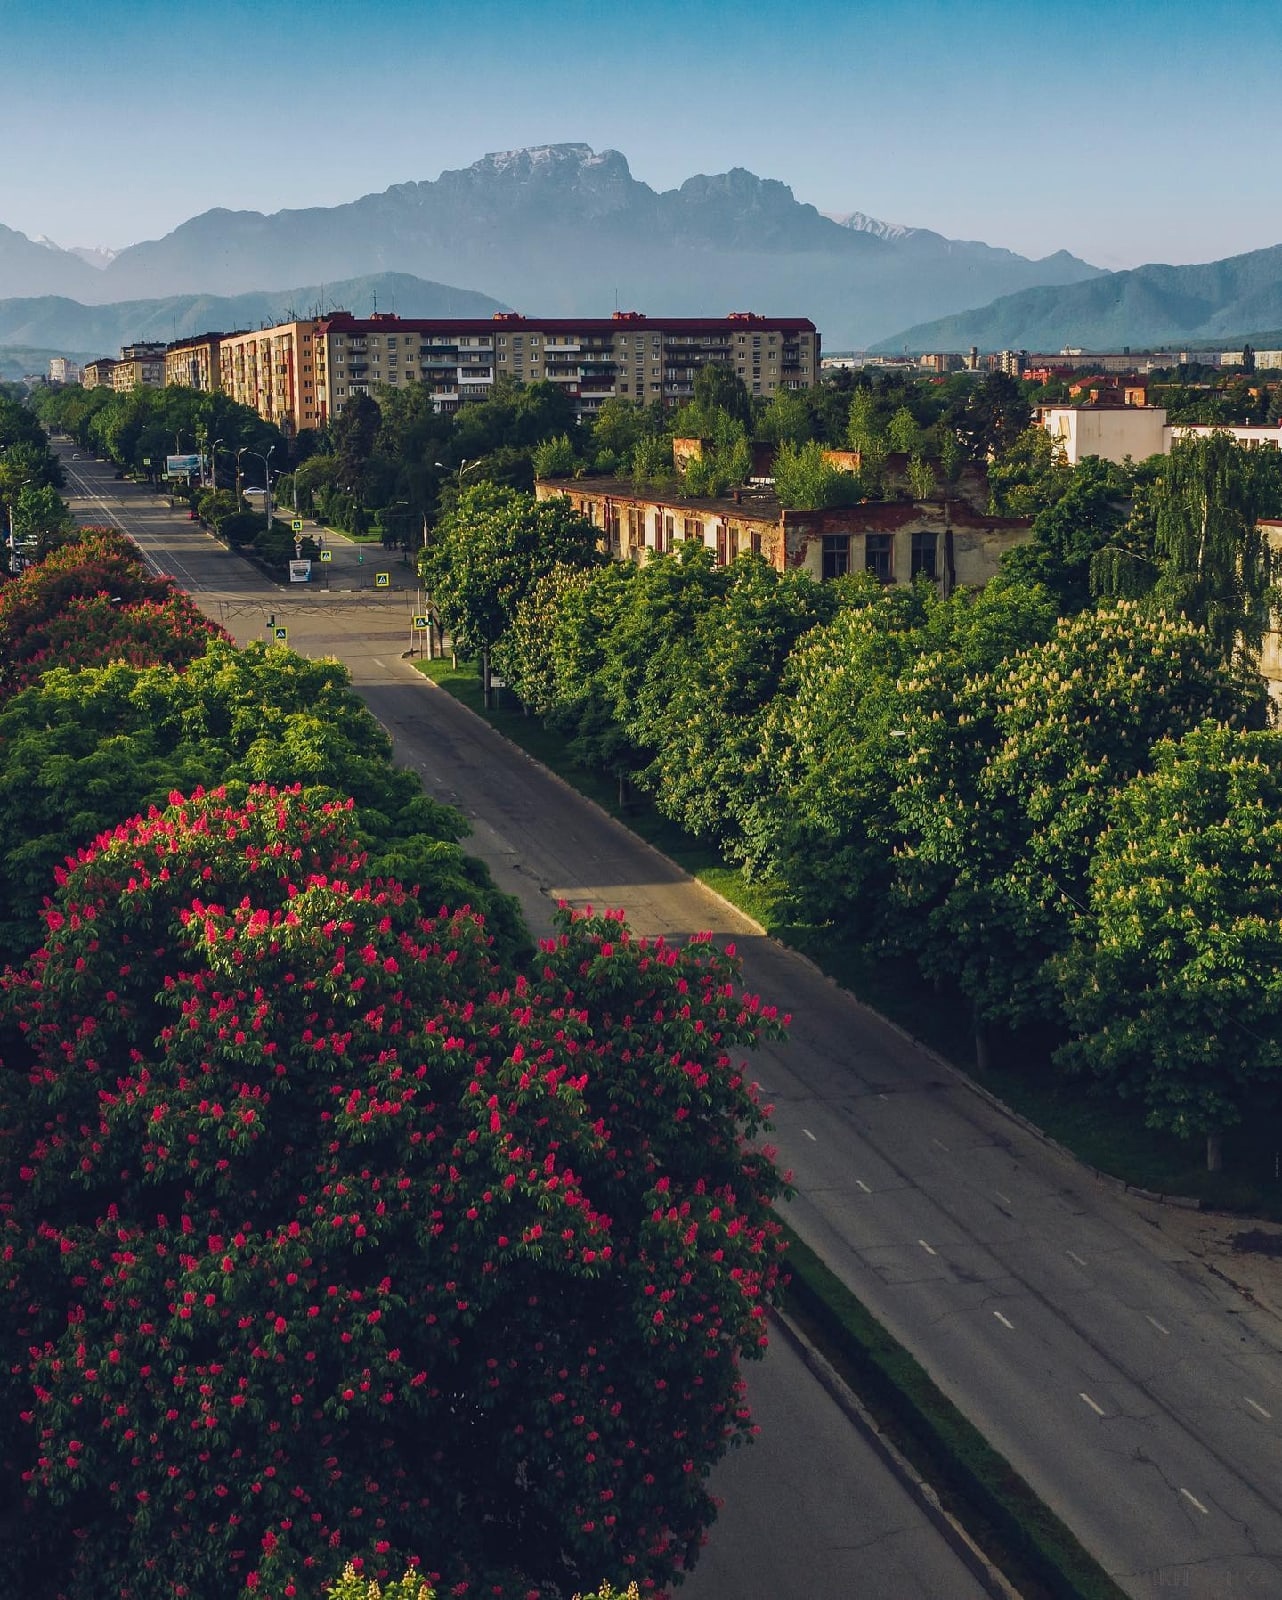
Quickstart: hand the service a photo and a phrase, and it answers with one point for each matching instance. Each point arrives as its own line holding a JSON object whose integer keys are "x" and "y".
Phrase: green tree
{"x": 354, "y": 433}
{"x": 1173, "y": 983}
{"x": 805, "y": 481}
{"x": 718, "y": 387}
{"x": 555, "y": 458}
{"x": 1213, "y": 558}
{"x": 1068, "y": 534}
{"x": 386, "y": 1222}
{"x": 921, "y": 478}
{"x": 1007, "y": 781}
{"x": 996, "y": 411}
{"x": 787, "y": 419}
{"x": 80, "y": 750}
{"x": 1029, "y": 475}
{"x": 707, "y": 648}
{"x": 489, "y": 553}
{"x": 652, "y": 460}
{"x": 864, "y": 431}
{"x": 904, "y": 434}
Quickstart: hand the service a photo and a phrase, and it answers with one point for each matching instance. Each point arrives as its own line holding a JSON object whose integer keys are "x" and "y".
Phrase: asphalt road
{"x": 1138, "y": 1394}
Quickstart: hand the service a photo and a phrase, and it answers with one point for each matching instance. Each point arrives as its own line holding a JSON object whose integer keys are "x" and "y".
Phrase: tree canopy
{"x": 327, "y": 1235}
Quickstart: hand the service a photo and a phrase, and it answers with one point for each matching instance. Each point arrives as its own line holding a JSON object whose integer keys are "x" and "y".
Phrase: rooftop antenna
{"x": 375, "y": 302}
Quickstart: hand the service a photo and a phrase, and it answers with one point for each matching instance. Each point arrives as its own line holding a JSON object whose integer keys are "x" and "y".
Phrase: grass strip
{"x": 1014, "y": 1528}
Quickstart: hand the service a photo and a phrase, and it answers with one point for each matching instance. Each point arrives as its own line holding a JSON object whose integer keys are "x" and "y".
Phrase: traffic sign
{"x": 297, "y": 524}
{"x": 327, "y": 555}
{"x": 422, "y": 622}
{"x": 382, "y": 580}
{"x": 282, "y": 635}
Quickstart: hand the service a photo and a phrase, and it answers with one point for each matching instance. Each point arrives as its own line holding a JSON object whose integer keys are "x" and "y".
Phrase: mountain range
{"x": 566, "y": 230}
{"x": 82, "y": 332}
{"x": 1147, "y": 307}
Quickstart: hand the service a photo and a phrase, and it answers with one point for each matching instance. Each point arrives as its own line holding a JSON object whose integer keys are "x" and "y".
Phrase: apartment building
{"x": 271, "y": 371}
{"x": 193, "y": 363}
{"x": 97, "y": 374}
{"x": 628, "y": 355}
{"x": 140, "y": 366}
{"x": 63, "y": 370}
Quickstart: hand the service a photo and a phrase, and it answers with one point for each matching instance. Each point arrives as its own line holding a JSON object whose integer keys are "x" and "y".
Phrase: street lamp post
{"x": 213, "y": 464}
{"x": 267, "y": 476}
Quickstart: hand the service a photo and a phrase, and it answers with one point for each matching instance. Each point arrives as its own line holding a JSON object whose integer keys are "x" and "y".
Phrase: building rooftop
{"x": 511, "y": 321}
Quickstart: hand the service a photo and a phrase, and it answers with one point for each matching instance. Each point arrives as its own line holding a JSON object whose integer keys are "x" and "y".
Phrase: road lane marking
{"x": 1073, "y": 1256}
{"x": 860, "y": 1184}
{"x": 810, "y": 1136}
{"x": 927, "y": 1248}
{"x": 1095, "y": 1407}
{"x": 1194, "y": 1501}
{"x": 1256, "y": 1406}
{"x": 939, "y": 1143}
{"x": 1004, "y": 1198}
{"x": 1157, "y": 1325}
{"x": 1005, "y": 1321}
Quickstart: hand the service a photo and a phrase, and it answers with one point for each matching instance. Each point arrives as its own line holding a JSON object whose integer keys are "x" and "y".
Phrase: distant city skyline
{"x": 1122, "y": 133}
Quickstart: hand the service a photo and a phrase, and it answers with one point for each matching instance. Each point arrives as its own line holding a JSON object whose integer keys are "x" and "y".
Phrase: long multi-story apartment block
{"x": 628, "y": 355}
{"x": 301, "y": 374}
{"x": 270, "y": 370}
{"x": 193, "y": 363}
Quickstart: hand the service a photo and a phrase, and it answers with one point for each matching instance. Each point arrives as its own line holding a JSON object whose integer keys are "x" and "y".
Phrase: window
{"x": 925, "y": 550}
{"x": 878, "y": 555}
{"x": 836, "y": 554}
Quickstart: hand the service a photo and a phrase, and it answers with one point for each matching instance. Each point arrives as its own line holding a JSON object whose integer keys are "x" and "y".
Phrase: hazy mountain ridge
{"x": 566, "y": 230}
{"x": 62, "y": 325}
{"x": 1146, "y": 306}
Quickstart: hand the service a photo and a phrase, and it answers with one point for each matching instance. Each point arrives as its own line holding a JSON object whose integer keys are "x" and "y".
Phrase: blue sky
{"x": 1126, "y": 131}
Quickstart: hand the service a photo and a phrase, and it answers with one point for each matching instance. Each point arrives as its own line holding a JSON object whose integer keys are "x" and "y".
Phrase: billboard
{"x": 300, "y": 572}
{"x": 181, "y": 466}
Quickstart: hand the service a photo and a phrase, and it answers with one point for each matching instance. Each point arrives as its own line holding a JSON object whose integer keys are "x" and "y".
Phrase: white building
{"x": 1116, "y": 432}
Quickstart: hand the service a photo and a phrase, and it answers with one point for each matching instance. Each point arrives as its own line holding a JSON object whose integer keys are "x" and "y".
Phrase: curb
{"x": 988, "y": 1574}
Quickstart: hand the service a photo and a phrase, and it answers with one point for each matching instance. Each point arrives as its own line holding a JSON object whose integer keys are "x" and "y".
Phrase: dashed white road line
{"x": 939, "y": 1144}
{"x": 1005, "y": 1321}
{"x": 1160, "y": 1328}
{"x": 810, "y": 1136}
{"x": 1004, "y": 1198}
{"x": 1073, "y": 1256}
{"x": 1194, "y": 1501}
{"x": 927, "y": 1248}
{"x": 1093, "y": 1404}
{"x": 860, "y": 1184}
{"x": 1256, "y": 1406}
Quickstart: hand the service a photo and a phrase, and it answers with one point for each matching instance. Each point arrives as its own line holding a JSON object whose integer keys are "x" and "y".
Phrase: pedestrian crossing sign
{"x": 422, "y": 622}
{"x": 327, "y": 555}
{"x": 281, "y": 635}
{"x": 382, "y": 580}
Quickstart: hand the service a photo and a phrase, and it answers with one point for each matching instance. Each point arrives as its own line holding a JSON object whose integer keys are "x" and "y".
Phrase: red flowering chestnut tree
{"x": 90, "y": 602}
{"x": 325, "y": 1238}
